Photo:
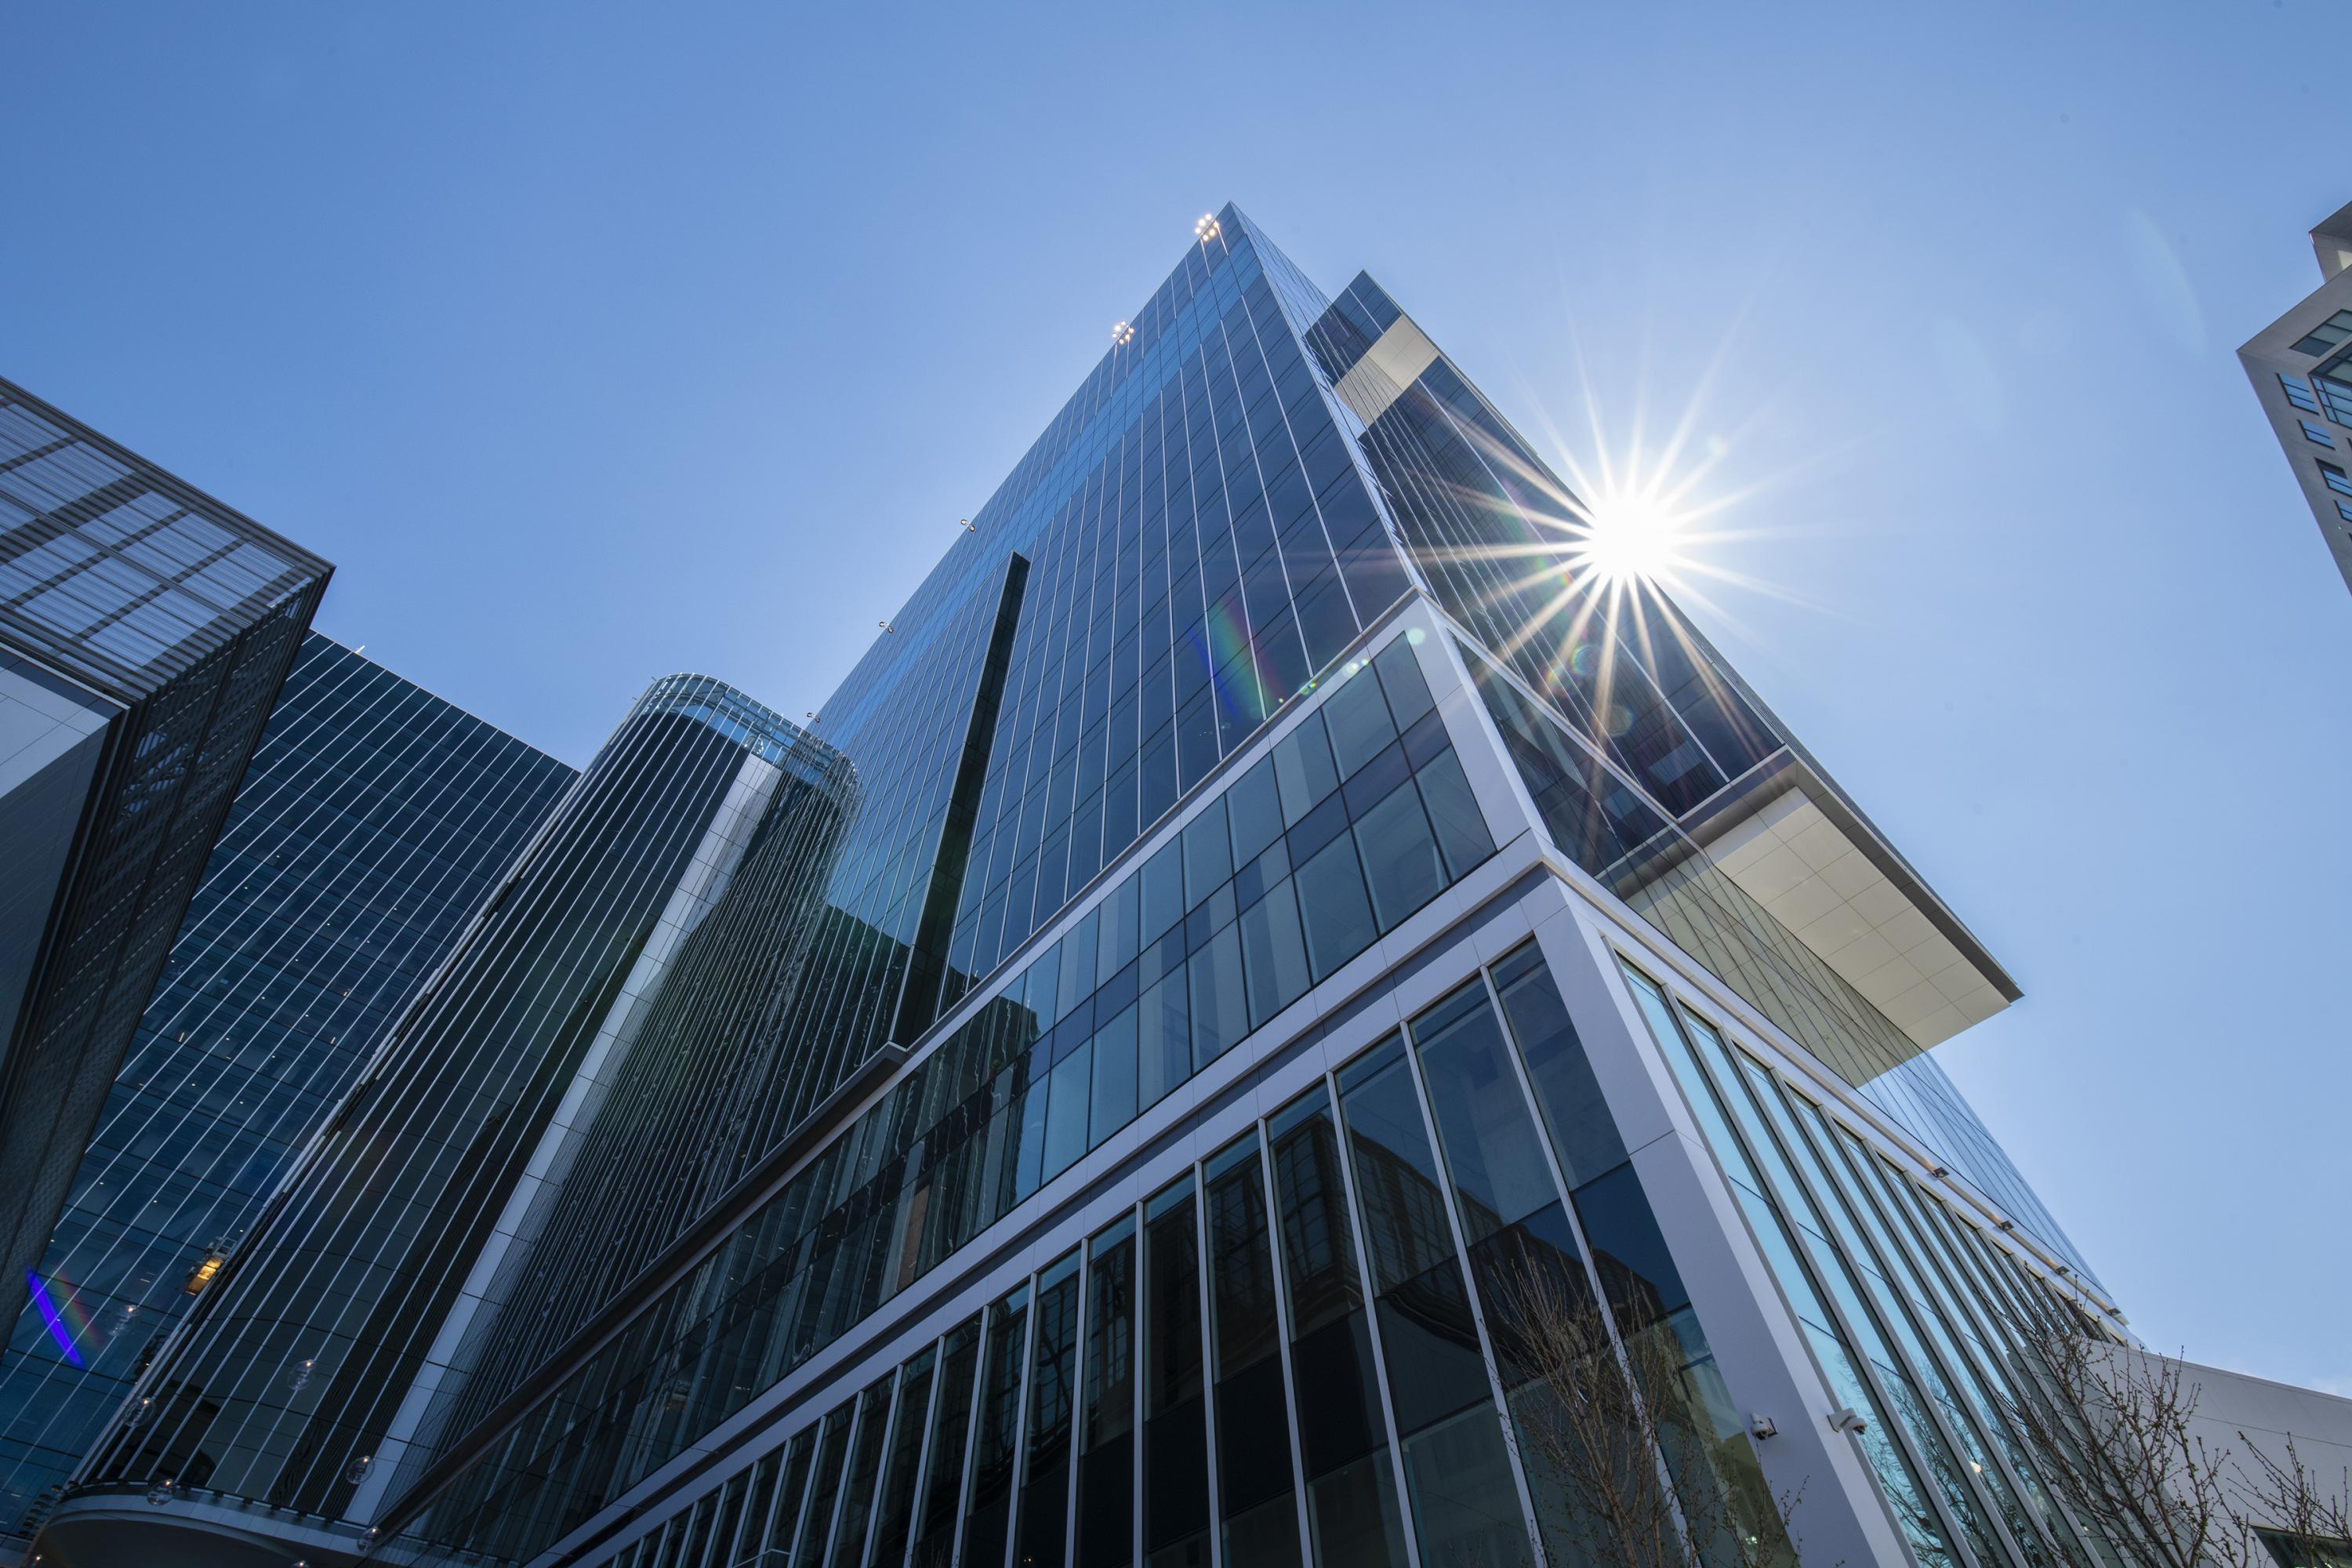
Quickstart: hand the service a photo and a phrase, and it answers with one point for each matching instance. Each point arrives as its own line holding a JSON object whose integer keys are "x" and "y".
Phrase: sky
{"x": 593, "y": 342}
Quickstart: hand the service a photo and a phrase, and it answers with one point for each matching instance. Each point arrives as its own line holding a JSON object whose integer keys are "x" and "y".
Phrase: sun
{"x": 1629, "y": 536}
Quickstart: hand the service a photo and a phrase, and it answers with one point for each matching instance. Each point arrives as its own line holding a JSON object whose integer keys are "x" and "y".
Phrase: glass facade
{"x": 1098, "y": 1106}
{"x": 1318, "y": 1320}
{"x": 369, "y": 827}
{"x": 302, "y": 1356}
{"x": 1210, "y": 936}
{"x": 144, "y": 632}
{"x": 1912, "y": 1310}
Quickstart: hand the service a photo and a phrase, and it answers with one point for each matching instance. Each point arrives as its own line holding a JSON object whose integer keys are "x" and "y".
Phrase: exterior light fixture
{"x": 204, "y": 1273}
{"x": 968, "y": 528}
{"x": 1122, "y": 334}
{"x": 1207, "y": 228}
{"x": 884, "y": 625}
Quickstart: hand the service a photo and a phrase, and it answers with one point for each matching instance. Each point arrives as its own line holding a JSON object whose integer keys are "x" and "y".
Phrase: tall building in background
{"x": 144, "y": 630}
{"x": 324, "y": 1333}
{"x": 371, "y": 826}
{"x": 2301, "y": 366}
{"x": 1260, "y": 904}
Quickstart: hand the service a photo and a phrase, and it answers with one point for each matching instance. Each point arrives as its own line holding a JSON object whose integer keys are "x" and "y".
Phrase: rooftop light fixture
{"x": 1121, "y": 335}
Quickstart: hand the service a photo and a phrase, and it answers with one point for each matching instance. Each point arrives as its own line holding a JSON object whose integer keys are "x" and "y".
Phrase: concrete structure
{"x": 2301, "y": 367}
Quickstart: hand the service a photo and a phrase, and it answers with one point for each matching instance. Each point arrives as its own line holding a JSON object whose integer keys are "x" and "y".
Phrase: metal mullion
{"x": 1078, "y": 1397}
{"x": 660, "y": 760}
{"x": 1136, "y": 1369}
{"x": 923, "y": 1448}
{"x": 1282, "y": 1325}
{"x": 1020, "y": 1421}
{"x": 1371, "y": 1287}
{"x": 815, "y": 1433}
{"x": 1895, "y": 1204}
{"x": 1887, "y": 1299}
{"x": 751, "y": 1529}
{"x": 650, "y": 756}
{"x": 890, "y": 1415}
{"x": 1208, "y": 1364}
{"x": 1288, "y": 596}
{"x": 1470, "y": 1286}
{"x": 1864, "y": 1367}
{"x": 848, "y": 1462}
{"x": 1576, "y": 1228}
{"x": 308, "y": 896}
{"x": 1978, "y": 1276}
{"x": 647, "y": 761}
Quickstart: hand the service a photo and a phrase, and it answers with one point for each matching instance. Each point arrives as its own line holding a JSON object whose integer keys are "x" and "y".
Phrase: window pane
{"x": 865, "y": 1465}
{"x": 1360, "y": 728}
{"x": 1460, "y": 827}
{"x": 1106, "y": 1470}
{"x": 1114, "y": 1082}
{"x": 988, "y": 1507}
{"x": 1046, "y": 1488}
{"x": 1303, "y": 770}
{"x": 1464, "y": 1507}
{"x": 895, "y": 1507}
{"x": 943, "y": 1485}
{"x": 1163, "y": 1042}
{"x": 1175, "y": 1433}
{"x": 1220, "y": 1002}
{"x": 1399, "y": 857}
{"x": 1274, "y": 953}
{"x": 1260, "y": 1515}
{"x": 1336, "y": 910}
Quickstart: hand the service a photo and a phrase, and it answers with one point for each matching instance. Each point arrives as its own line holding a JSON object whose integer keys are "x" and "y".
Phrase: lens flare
{"x": 1632, "y": 536}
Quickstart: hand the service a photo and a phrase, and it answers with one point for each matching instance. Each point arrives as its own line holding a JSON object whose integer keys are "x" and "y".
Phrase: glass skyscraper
{"x": 367, "y": 831}
{"x": 144, "y": 630}
{"x": 1257, "y": 901}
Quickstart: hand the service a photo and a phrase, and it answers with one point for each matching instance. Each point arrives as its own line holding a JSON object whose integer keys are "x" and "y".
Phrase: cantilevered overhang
{"x": 1791, "y": 841}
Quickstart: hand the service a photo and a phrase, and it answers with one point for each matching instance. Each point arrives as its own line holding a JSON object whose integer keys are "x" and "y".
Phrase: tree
{"x": 2115, "y": 1433}
{"x": 2285, "y": 1497}
{"x": 1628, "y": 1452}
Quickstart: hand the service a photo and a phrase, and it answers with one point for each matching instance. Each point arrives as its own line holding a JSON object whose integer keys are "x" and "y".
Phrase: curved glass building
{"x": 1259, "y": 906}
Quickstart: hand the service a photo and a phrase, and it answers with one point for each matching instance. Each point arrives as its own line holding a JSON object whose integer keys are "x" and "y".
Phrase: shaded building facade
{"x": 1282, "y": 900}
{"x": 144, "y": 631}
{"x": 373, "y": 821}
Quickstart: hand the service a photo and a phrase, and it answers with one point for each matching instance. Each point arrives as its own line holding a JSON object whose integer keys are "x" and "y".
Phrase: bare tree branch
{"x": 2114, "y": 1436}
{"x": 1613, "y": 1429}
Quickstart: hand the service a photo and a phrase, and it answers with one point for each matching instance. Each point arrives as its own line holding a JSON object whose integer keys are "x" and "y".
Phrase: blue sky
{"x": 593, "y": 342}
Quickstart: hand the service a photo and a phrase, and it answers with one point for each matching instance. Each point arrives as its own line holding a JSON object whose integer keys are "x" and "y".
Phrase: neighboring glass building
{"x": 1276, "y": 904}
{"x": 2301, "y": 366}
{"x": 144, "y": 630}
{"x": 361, "y": 1273}
{"x": 372, "y": 823}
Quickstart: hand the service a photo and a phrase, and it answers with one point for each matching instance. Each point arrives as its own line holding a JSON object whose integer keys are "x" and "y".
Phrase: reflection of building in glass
{"x": 1275, "y": 904}
{"x": 144, "y": 629}
{"x": 366, "y": 833}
